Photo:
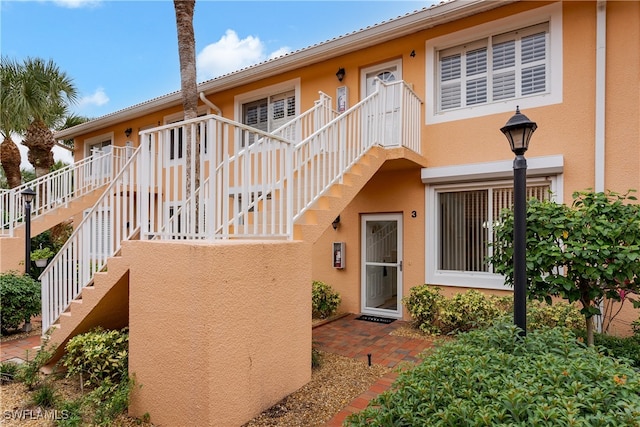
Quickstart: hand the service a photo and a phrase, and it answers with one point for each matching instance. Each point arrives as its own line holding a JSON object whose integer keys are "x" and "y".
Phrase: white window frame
{"x": 266, "y": 92}
{"x": 203, "y": 110}
{"x": 553, "y": 95}
{"x": 89, "y": 143}
{"x": 477, "y": 176}
{"x": 377, "y": 69}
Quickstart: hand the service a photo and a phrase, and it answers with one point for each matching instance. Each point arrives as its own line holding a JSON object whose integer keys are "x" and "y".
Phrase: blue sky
{"x": 120, "y": 53}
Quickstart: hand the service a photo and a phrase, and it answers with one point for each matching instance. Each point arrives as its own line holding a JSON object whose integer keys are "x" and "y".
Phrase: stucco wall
{"x": 389, "y": 191}
{"x": 13, "y": 252}
{"x": 567, "y": 128}
{"x": 221, "y": 336}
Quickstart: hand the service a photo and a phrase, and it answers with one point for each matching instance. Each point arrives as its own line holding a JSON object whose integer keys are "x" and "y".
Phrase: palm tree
{"x": 188, "y": 86}
{"x": 10, "y": 120}
{"x": 46, "y": 93}
{"x": 69, "y": 122}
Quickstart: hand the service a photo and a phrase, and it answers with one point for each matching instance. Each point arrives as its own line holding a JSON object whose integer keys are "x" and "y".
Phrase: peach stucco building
{"x": 381, "y": 177}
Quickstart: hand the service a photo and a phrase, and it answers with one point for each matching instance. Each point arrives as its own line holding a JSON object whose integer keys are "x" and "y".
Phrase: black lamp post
{"x": 518, "y": 131}
{"x": 27, "y": 195}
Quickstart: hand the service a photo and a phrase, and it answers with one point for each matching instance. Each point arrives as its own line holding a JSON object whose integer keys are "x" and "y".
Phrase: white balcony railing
{"x": 238, "y": 182}
{"x": 58, "y": 188}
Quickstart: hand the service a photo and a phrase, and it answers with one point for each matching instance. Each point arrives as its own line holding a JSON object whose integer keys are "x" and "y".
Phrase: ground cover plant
{"x": 495, "y": 377}
{"x": 95, "y": 365}
{"x": 620, "y": 347}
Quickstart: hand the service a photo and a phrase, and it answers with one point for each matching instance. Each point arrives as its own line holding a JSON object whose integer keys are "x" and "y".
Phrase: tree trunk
{"x": 187, "y": 52}
{"x": 39, "y": 139}
{"x": 10, "y": 159}
{"x": 590, "y": 328}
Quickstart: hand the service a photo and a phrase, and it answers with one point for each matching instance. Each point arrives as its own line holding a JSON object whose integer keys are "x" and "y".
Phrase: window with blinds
{"x": 466, "y": 221}
{"x": 269, "y": 113}
{"x": 500, "y": 67}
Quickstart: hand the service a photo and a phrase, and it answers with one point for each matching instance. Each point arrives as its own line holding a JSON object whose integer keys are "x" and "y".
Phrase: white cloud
{"x": 282, "y": 51}
{"x": 97, "y": 98}
{"x": 76, "y": 4}
{"x": 231, "y": 53}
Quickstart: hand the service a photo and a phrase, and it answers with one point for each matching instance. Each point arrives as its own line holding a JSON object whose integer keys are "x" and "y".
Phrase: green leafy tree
{"x": 585, "y": 252}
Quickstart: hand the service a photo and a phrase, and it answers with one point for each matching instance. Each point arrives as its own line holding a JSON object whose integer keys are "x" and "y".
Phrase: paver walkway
{"x": 358, "y": 339}
{"x": 23, "y": 349}
{"x": 346, "y": 336}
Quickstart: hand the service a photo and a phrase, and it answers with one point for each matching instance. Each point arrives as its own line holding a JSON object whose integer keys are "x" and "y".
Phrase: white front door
{"x": 389, "y": 121}
{"x": 381, "y": 276}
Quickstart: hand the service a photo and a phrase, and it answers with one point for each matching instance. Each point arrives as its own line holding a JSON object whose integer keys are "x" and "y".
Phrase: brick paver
{"x": 359, "y": 339}
{"x": 346, "y": 336}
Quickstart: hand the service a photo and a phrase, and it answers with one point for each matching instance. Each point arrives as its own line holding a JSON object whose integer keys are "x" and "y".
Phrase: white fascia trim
{"x": 502, "y": 169}
{"x": 552, "y": 13}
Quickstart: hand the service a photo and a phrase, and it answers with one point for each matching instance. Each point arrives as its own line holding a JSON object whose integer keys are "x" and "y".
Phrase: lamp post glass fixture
{"x": 518, "y": 131}
{"x": 27, "y": 195}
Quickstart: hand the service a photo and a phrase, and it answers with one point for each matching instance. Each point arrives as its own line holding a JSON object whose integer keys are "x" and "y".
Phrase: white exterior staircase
{"x": 289, "y": 184}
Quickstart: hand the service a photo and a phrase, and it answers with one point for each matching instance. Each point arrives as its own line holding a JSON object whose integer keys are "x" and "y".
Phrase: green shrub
{"x": 72, "y": 410}
{"x": 98, "y": 355}
{"x": 325, "y": 300}
{"x": 503, "y": 303}
{"x": 423, "y": 303}
{"x": 29, "y": 372}
{"x": 45, "y": 396}
{"x": 627, "y": 348}
{"x": 466, "y": 311}
{"x": 542, "y": 315}
{"x": 8, "y": 371}
{"x": 494, "y": 377}
{"x": 109, "y": 400}
{"x": 20, "y": 296}
{"x": 433, "y": 313}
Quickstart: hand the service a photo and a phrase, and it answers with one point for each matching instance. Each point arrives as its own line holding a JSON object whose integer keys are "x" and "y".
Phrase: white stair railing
{"x": 113, "y": 219}
{"x": 58, "y": 188}
{"x": 388, "y": 117}
{"x": 239, "y": 197}
{"x": 235, "y": 189}
{"x": 245, "y": 197}
{"x": 308, "y": 122}
{"x": 258, "y": 190}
